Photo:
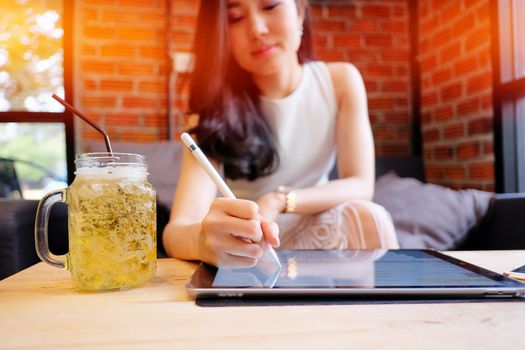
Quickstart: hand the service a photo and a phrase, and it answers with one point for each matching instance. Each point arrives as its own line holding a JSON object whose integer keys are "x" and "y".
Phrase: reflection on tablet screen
{"x": 353, "y": 269}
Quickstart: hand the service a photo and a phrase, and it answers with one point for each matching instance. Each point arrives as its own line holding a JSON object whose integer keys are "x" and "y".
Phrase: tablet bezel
{"x": 200, "y": 284}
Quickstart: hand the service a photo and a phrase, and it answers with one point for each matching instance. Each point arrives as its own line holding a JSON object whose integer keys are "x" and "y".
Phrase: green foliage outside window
{"x": 31, "y": 55}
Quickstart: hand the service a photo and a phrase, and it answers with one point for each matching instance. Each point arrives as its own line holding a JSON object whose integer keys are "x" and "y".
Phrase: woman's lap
{"x": 355, "y": 224}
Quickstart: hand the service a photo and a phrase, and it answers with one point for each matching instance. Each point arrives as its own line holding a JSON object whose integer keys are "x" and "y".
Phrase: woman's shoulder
{"x": 345, "y": 76}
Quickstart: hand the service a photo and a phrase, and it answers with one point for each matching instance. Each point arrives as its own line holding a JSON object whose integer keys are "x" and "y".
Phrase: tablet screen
{"x": 355, "y": 269}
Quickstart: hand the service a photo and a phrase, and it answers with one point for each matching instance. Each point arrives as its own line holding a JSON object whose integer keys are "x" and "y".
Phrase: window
{"x": 36, "y": 133}
{"x": 509, "y": 95}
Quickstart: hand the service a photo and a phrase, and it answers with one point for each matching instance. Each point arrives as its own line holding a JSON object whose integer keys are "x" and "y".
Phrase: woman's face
{"x": 264, "y": 34}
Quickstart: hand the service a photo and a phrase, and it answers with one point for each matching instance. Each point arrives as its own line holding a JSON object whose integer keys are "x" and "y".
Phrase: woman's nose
{"x": 258, "y": 26}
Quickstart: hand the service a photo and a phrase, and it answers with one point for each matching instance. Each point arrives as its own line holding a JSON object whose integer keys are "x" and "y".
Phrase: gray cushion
{"x": 163, "y": 158}
{"x": 428, "y": 215}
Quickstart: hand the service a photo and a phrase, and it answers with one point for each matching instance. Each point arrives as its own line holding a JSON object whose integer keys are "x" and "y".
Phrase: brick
{"x": 92, "y": 66}
{"x": 371, "y": 86}
{"x": 444, "y": 113}
{"x": 376, "y": 11}
{"x": 89, "y": 84}
{"x": 451, "y": 13}
{"x": 442, "y": 37}
{"x": 486, "y": 101}
{"x": 345, "y": 11}
{"x": 400, "y": 12}
{"x": 468, "y": 150}
{"x": 480, "y": 126}
{"x": 379, "y": 71}
{"x": 433, "y": 172}
{"x": 116, "y": 85}
{"x": 478, "y": 38}
{"x": 454, "y": 172}
{"x": 429, "y": 99}
{"x": 153, "y": 86}
{"x": 140, "y": 102}
{"x": 380, "y": 103}
{"x": 443, "y": 152}
{"x": 479, "y": 82}
{"x": 88, "y": 50}
{"x": 428, "y": 25}
{"x": 481, "y": 171}
{"x": 441, "y": 76}
{"x": 98, "y": 101}
{"x": 488, "y": 147}
{"x": 153, "y": 52}
{"x": 454, "y": 131}
{"x": 431, "y": 135}
{"x": 185, "y": 20}
{"x": 451, "y": 91}
{"x": 329, "y": 25}
{"x": 450, "y": 52}
{"x": 395, "y": 56}
{"x": 401, "y": 71}
{"x": 130, "y": 33}
{"x": 135, "y": 69}
{"x": 155, "y": 120}
{"x": 464, "y": 24}
{"x": 396, "y": 86}
{"x": 142, "y": 3}
{"x": 187, "y": 5}
{"x": 347, "y": 40}
{"x": 95, "y": 32}
{"x": 122, "y": 119}
{"x": 465, "y": 65}
{"x": 395, "y": 27}
{"x": 429, "y": 63}
{"x": 118, "y": 51}
{"x": 364, "y": 25}
{"x": 469, "y": 106}
{"x": 397, "y": 117}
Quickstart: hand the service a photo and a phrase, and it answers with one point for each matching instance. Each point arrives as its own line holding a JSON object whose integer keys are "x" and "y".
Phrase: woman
{"x": 272, "y": 120}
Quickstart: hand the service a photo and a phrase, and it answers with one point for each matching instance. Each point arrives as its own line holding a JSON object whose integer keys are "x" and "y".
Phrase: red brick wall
{"x": 456, "y": 92}
{"x": 374, "y": 36}
{"x": 121, "y": 68}
{"x": 121, "y": 73}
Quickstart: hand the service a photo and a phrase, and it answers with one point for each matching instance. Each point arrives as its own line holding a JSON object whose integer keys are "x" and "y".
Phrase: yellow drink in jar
{"x": 112, "y": 230}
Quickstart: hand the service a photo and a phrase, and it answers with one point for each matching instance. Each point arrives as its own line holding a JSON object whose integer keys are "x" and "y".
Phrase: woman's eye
{"x": 234, "y": 19}
{"x": 271, "y": 6}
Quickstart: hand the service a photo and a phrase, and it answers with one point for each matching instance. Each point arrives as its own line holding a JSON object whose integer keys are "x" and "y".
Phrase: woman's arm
{"x": 355, "y": 152}
{"x": 220, "y": 231}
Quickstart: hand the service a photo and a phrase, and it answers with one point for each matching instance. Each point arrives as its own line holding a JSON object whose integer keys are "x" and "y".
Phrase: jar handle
{"x": 41, "y": 228}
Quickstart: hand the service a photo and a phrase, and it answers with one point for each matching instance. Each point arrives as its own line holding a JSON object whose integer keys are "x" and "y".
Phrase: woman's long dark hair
{"x": 232, "y": 128}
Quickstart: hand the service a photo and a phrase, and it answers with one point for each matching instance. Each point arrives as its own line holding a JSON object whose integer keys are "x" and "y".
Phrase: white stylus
{"x": 214, "y": 175}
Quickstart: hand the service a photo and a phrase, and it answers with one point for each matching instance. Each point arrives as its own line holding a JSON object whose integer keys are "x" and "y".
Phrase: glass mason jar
{"x": 111, "y": 223}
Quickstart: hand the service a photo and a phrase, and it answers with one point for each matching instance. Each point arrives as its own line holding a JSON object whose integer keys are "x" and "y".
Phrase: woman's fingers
{"x": 234, "y": 216}
{"x": 270, "y": 231}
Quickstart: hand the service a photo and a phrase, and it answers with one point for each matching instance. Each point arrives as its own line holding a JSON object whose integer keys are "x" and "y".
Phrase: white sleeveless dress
{"x": 304, "y": 124}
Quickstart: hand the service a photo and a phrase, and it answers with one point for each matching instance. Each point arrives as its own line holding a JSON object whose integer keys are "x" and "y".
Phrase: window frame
{"x": 509, "y": 144}
{"x": 65, "y": 117}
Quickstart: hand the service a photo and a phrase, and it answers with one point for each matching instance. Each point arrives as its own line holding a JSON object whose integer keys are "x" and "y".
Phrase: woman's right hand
{"x": 231, "y": 234}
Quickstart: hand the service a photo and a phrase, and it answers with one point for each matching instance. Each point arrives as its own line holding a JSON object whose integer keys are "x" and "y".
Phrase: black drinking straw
{"x": 86, "y": 119}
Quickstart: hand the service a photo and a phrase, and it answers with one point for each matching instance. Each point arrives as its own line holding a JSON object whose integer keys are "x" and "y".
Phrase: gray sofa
{"x": 501, "y": 226}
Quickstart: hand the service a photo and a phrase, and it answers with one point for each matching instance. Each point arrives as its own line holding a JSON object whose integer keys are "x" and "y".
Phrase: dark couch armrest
{"x": 17, "y": 242}
{"x": 503, "y": 227}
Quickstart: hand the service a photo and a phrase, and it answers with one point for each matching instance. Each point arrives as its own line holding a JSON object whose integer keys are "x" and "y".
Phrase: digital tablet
{"x": 354, "y": 272}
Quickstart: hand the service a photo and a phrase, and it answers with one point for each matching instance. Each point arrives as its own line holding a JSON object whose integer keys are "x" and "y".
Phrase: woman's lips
{"x": 263, "y": 51}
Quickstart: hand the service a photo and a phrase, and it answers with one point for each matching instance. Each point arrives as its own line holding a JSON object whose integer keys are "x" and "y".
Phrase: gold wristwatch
{"x": 290, "y": 198}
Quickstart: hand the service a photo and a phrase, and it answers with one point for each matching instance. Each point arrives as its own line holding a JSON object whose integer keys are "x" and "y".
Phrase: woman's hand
{"x": 232, "y": 233}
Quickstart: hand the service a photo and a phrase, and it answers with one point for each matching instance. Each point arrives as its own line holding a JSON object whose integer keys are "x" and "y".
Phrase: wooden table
{"x": 40, "y": 309}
